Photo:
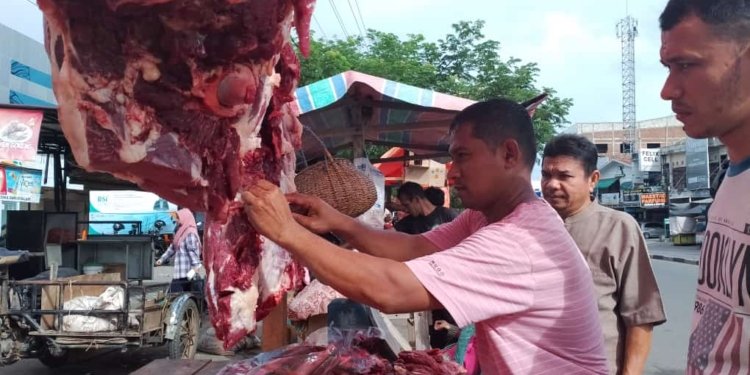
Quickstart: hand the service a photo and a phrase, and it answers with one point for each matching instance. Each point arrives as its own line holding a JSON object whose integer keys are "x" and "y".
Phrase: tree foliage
{"x": 464, "y": 63}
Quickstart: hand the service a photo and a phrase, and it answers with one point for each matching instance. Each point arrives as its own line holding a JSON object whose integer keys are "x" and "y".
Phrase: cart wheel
{"x": 185, "y": 343}
{"x": 53, "y": 360}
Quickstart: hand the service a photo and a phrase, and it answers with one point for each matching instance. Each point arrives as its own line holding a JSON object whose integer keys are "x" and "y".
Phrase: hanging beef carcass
{"x": 189, "y": 99}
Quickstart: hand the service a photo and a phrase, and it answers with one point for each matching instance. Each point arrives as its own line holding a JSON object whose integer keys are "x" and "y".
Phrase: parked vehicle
{"x": 652, "y": 230}
{"x": 148, "y": 315}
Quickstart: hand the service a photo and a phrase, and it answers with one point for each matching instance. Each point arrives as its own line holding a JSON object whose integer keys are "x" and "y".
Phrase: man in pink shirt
{"x": 506, "y": 263}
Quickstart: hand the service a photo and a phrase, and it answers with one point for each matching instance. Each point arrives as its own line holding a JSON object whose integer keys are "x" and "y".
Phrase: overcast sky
{"x": 574, "y": 42}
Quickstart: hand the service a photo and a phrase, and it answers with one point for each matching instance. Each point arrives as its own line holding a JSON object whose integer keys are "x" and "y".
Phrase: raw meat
{"x": 333, "y": 359}
{"x": 189, "y": 99}
{"x": 430, "y": 362}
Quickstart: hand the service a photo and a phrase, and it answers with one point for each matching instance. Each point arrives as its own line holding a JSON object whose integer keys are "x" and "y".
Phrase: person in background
{"x": 424, "y": 215}
{"x": 705, "y": 46}
{"x": 611, "y": 241}
{"x": 436, "y": 196}
{"x": 186, "y": 248}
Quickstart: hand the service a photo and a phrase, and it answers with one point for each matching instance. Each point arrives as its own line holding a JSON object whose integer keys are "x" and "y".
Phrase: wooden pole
{"x": 275, "y": 331}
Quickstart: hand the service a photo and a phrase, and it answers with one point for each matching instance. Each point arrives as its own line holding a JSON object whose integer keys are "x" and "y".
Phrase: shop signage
{"x": 696, "y": 162}
{"x": 124, "y": 205}
{"x": 19, "y": 134}
{"x": 653, "y": 199}
{"x": 649, "y": 160}
{"x": 610, "y": 199}
{"x": 20, "y": 184}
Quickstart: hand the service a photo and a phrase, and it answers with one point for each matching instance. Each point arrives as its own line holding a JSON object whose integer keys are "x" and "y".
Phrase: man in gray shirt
{"x": 614, "y": 247}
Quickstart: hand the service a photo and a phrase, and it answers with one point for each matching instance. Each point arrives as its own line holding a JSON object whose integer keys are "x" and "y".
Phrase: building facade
{"x": 645, "y": 183}
{"x": 24, "y": 71}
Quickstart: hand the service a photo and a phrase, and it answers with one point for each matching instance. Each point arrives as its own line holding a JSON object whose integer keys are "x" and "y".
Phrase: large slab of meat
{"x": 189, "y": 99}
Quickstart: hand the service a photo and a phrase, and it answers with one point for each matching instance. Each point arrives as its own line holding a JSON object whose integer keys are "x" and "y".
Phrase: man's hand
{"x": 317, "y": 215}
{"x": 158, "y": 262}
{"x": 268, "y": 212}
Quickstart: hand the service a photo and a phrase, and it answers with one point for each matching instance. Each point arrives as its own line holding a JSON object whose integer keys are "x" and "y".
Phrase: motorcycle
{"x": 160, "y": 242}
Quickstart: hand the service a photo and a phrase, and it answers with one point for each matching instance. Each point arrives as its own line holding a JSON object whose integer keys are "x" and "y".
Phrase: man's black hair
{"x": 728, "y": 18}
{"x": 574, "y": 146}
{"x": 410, "y": 190}
{"x": 497, "y": 120}
{"x": 435, "y": 195}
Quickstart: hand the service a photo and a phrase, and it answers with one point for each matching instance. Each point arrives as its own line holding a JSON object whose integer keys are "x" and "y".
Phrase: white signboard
{"x": 610, "y": 199}
{"x": 122, "y": 205}
{"x": 696, "y": 162}
{"x": 649, "y": 160}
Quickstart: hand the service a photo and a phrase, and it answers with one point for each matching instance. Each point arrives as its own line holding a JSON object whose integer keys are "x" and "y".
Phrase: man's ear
{"x": 593, "y": 180}
{"x": 511, "y": 152}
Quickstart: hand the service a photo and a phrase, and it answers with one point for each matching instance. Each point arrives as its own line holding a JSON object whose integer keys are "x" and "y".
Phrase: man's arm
{"x": 384, "y": 244}
{"x": 321, "y": 218}
{"x": 388, "y": 285}
{"x": 637, "y": 347}
{"x": 385, "y": 284}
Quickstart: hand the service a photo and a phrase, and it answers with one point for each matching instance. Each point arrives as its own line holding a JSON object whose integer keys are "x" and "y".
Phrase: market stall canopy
{"x": 606, "y": 183}
{"x": 352, "y": 108}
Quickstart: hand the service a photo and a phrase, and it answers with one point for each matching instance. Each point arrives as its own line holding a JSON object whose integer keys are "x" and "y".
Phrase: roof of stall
{"x": 355, "y": 107}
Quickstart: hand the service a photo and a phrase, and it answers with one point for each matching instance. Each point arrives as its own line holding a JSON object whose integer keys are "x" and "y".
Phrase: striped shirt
{"x": 187, "y": 256}
{"x": 525, "y": 284}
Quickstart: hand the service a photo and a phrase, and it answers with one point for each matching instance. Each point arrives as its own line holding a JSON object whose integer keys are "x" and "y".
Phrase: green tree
{"x": 464, "y": 63}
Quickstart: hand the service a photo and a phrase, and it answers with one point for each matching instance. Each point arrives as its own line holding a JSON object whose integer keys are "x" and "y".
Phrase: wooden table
{"x": 182, "y": 367}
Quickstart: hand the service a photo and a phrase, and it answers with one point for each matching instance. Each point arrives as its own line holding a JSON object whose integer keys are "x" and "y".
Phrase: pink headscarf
{"x": 187, "y": 225}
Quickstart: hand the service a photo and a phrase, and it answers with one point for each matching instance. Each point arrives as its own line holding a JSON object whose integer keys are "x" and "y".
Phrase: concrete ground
{"x": 665, "y": 250}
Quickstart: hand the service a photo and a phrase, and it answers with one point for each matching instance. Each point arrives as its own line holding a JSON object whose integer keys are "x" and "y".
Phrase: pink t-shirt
{"x": 524, "y": 283}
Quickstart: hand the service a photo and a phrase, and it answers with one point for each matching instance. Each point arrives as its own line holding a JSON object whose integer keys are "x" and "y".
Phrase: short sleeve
{"x": 484, "y": 276}
{"x": 640, "y": 301}
{"x": 450, "y": 234}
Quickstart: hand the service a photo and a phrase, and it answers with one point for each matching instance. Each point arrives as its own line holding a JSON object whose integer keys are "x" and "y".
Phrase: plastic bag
{"x": 312, "y": 300}
{"x": 111, "y": 299}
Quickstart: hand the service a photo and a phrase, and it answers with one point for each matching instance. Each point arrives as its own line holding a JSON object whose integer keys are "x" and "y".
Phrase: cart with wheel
{"x": 44, "y": 319}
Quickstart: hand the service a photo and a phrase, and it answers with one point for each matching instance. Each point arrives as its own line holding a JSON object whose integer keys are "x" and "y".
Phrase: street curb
{"x": 674, "y": 259}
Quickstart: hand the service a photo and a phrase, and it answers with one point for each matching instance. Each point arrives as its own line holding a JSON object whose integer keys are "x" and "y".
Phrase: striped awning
{"x": 356, "y": 107}
{"x": 353, "y": 106}
{"x": 606, "y": 183}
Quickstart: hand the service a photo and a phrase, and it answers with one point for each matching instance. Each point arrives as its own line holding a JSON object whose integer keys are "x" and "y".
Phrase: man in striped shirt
{"x": 506, "y": 263}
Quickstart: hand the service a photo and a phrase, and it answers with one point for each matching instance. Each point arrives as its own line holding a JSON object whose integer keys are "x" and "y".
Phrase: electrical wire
{"x": 360, "y": 15}
{"x": 338, "y": 17}
{"x": 320, "y": 27}
{"x": 351, "y": 8}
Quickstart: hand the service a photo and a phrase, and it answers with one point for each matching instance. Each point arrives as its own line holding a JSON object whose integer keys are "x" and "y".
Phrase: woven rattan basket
{"x": 339, "y": 183}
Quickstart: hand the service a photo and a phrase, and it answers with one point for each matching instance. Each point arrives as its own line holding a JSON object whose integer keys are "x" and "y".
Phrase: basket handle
{"x": 326, "y": 154}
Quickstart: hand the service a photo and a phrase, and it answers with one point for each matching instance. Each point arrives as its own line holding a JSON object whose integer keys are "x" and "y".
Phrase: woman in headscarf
{"x": 186, "y": 248}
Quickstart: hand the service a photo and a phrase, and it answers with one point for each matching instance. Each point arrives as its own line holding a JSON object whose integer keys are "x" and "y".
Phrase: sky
{"x": 574, "y": 42}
